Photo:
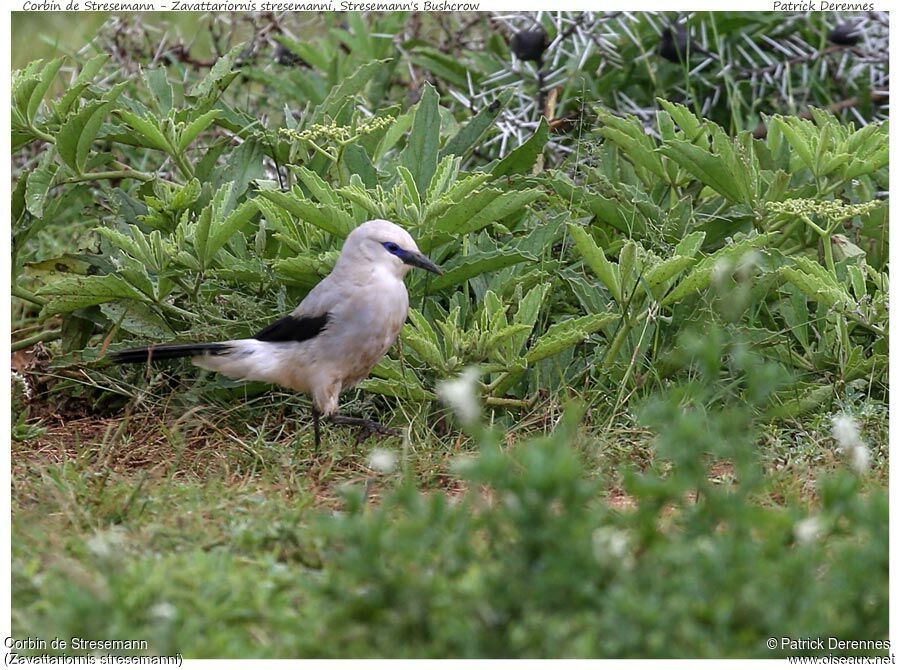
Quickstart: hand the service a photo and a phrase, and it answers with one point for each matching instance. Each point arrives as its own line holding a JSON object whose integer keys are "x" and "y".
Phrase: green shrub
{"x": 532, "y": 561}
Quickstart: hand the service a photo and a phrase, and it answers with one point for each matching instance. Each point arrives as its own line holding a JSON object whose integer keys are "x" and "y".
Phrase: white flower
{"x": 721, "y": 271}
{"x": 462, "y": 464}
{"x": 808, "y": 530}
{"x": 860, "y": 458}
{"x": 747, "y": 262}
{"x": 611, "y": 543}
{"x": 845, "y": 431}
{"x": 383, "y": 460}
{"x": 461, "y": 396}
{"x": 164, "y": 611}
{"x": 107, "y": 543}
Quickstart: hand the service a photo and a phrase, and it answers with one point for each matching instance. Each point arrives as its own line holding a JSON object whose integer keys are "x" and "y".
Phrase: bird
{"x": 334, "y": 337}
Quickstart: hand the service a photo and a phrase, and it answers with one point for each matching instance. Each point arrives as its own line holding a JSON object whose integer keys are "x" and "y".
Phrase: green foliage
{"x": 674, "y": 270}
{"x": 659, "y": 222}
{"x": 531, "y": 561}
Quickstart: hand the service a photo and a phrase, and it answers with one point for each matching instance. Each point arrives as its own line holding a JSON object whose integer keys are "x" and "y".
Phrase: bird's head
{"x": 386, "y": 245}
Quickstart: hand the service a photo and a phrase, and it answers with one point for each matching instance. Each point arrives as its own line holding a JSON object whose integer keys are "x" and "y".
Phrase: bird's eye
{"x": 390, "y": 246}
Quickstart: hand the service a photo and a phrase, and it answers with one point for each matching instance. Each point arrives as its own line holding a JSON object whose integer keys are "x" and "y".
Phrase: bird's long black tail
{"x": 162, "y": 352}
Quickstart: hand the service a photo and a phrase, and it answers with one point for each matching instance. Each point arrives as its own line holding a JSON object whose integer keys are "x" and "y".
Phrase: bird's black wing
{"x": 293, "y": 329}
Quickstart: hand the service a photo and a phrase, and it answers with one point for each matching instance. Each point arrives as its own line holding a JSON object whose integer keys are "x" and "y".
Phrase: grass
{"x": 196, "y": 513}
{"x": 51, "y": 34}
{"x": 191, "y": 526}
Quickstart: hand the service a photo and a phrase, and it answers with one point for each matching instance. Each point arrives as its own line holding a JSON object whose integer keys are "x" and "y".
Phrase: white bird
{"x": 335, "y": 336}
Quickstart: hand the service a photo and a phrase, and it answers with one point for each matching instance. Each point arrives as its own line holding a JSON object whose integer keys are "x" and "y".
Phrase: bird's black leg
{"x": 315, "y": 416}
{"x": 368, "y": 426}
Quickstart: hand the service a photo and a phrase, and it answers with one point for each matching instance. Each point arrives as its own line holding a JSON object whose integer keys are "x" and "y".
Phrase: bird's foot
{"x": 367, "y": 426}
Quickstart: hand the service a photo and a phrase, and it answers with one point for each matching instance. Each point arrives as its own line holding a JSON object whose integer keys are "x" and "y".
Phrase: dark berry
{"x": 845, "y": 35}
{"x": 530, "y": 44}
{"x": 673, "y": 43}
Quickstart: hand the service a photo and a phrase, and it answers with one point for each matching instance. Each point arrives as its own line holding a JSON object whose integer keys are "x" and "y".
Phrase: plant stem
{"x": 40, "y": 133}
{"x": 110, "y": 174}
{"x": 45, "y": 336}
{"x": 322, "y": 151}
{"x": 507, "y": 402}
{"x": 183, "y": 166}
{"x": 616, "y": 345}
{"x": 829, "y": 254}
{"x": 25, "y": 294}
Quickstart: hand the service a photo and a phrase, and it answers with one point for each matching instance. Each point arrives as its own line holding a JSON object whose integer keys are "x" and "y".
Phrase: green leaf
{"x": 665, "y": 270}
{"x": 48, "y": 74}
{"x": 700, "y": 277}
{"x": 138, "y": 319}
{"x": 527, "y": 314}
{"x": 693, "y": 127}
{"x": 358, "y": 162}
{"x": 465, "y": 267}
{"x": 507, "y": 335}
{"x": 393, "y": 134}
{"x": 397, "y": 389}
{"x": 420, "y": 156}
{"x": 362, "y": 198}
{"x": 857, "y": 281}
{"x": 18, "y": 202}
{"x": 457, "y": 193}
{"x": 206, "y": 222}
{"x": 447, "y": 67}
{"x": 309, "y": 52}
{"x": 328, "y": 218}
{"x": 38, "y": 185}
{"x": 318, "y": 187}
{"x": 151, "y": 135}
{"x": 299, "y": 270}
{"x": 628, "y": 134}
{"x": 23, "y": 88}
{"x": 82, "y": 81}
{"x": 78, "y": 132}
{"x": 709, "y": 168}
{"x": 829, "y": 295}
{"x": 218, "y": 73}
{"x": 419, "y": 336}
{"x": 347, "y": 89}
{"x": 801, "y": 399}
{"x": 690, "y": 244}
{"x": 412, "y": 190}
{"x": 624, "y": 212}
{"x": 130, "y": 244}
{"x": 70, "y": 293}
{"x": 796, "y": 138}
{"x": 482, "y": 208}
{"x": 158, "y": 82}
{"x": 566, "y": 334}
{"x": 522, "y": 159}
{"x": 595, "y": 258}
{"x": 244, "y": 165}
{"x": 195, "y": 127}
{"x": 222, "y": 231}
{"x": 186, "y": 196}
{"x": 469, "y": 135}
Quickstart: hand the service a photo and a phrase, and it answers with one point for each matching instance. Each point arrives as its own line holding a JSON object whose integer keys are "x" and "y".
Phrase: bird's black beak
{"x": 421, "y": 261}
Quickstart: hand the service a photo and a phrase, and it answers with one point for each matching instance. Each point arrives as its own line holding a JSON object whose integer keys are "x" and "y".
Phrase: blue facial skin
{"x": 395, "y": 249}
{"x": 412, "y": 257}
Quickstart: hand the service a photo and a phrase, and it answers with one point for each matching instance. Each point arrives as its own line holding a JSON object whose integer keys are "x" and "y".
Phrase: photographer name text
{"x": 823, "y": 6}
